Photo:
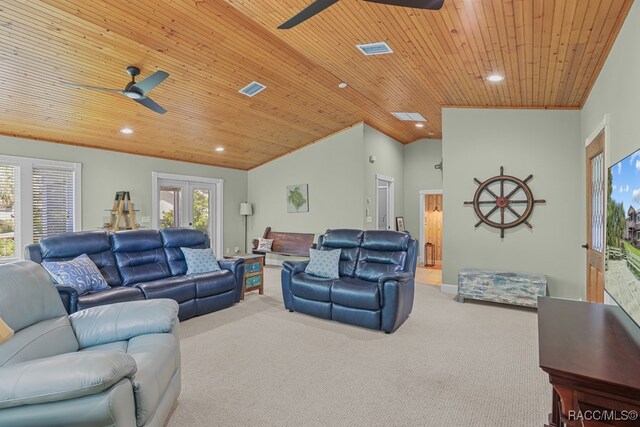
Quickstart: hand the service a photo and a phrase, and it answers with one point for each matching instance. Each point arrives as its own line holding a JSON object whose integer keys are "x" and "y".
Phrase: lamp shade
{"x": 246, "y": 209}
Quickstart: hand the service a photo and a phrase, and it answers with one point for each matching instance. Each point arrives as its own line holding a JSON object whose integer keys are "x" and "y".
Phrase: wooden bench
{"x": 286, "y": 243}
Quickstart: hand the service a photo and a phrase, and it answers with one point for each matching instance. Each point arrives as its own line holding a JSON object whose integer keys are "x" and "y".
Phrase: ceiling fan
{"x": 320, "y": 5}
{"x": 136, "y": 90}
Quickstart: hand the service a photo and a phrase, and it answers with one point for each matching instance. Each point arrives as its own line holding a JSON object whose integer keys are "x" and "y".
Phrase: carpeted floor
{"x": 450, "y": 364}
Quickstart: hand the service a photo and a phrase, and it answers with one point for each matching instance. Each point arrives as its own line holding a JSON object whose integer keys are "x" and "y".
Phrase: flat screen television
{"x": 622, "y": 258}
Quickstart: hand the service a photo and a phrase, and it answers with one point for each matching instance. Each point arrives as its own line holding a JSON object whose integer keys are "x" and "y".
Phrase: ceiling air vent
{"x": 252, "y": 89}
{"x": 380, "y": 48}
{"x": 410, "y": 117}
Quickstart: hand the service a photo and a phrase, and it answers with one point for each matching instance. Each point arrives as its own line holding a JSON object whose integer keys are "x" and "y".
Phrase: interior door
{"x": 596, "y": 191}
{"x": 384, "y": 203}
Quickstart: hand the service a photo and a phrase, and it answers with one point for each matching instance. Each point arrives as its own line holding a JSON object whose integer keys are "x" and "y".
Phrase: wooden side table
{"x": 253, "y": 272}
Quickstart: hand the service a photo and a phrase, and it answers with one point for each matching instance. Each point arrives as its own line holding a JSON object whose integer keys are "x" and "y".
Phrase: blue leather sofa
{"x": 376, "y": 285}
{"x": 115, "y": 365}
{"x": 144, "y": 264}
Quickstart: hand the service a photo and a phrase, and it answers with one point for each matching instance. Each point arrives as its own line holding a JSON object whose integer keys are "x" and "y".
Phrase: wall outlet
{"x": 228, "y": 251}
{"x": 236, "y": 249}
{"x": 145, "y": 219}
{"x": 369, "y": 219}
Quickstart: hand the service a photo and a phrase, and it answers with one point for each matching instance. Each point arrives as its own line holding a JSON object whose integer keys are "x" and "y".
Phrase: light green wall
{"x": 615, "y": 94}
{"x": 105, "y": 172}
{"x": 332, "y": 168}
{"x": 420, "y": 157}
{"x": 476, "y": 142}
{"x": 389, "y": 155}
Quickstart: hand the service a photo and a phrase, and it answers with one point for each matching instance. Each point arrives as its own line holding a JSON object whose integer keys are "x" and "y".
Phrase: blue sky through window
{"x": 626, "y": 181}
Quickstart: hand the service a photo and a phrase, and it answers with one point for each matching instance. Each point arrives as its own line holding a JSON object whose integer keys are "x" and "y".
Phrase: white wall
{"x": 389, "y": 155}
{"x": 420, "y": 157}
{"x": 105, "y": 172}
{"x": 332, "y": 168}
{"x": 476, "y": 142}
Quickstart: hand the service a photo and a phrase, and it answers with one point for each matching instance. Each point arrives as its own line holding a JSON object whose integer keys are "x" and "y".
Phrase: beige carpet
{"x": 450, "y": 364}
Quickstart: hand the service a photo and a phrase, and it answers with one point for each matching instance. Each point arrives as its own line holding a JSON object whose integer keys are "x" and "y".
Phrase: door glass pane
{"x": 7, "y": 211}
{"x": 201, "y": 208}
{"x": 170, "y": 209}
{"x": 597, "y": 203}
{"x": 383, "y": 206}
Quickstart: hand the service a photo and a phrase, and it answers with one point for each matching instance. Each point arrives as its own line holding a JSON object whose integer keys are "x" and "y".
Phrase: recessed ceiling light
{"x": 219, "y": 149}
{"x": 431, "y": 133}
{"x": 495, "y": 78}
{"x": 343, "y": 85}
{"x": 126, "y": 131}
{"x": 419, "y": 125}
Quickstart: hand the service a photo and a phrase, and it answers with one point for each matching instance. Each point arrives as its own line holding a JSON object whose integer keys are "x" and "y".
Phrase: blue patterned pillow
{"x": 324, "y": 263}
{"x": 79, "y": 273}
{"x": 200, "y": 260}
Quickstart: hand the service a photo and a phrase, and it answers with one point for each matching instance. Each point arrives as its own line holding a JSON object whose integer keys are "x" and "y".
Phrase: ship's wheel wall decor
{"x": 506, "y": 196}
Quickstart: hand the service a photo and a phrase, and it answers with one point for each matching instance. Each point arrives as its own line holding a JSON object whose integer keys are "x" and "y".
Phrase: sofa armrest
{"x": 397, "y": 291}
{"x": 295, "y": 267}
{"x": 123, "y": 321}
{"x": 230, "y": 264}
{"x": 62, "y": 377}
{"x": 400, "y": 277}
{"x": 69, "y": 297}
{"x": 236, "y": 266}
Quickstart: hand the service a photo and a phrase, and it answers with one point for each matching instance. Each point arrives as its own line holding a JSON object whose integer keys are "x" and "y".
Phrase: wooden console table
{"x": 592, "y": 355}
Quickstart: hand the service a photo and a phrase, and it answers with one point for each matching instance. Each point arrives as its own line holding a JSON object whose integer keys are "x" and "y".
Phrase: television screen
{"x": 622, "y": 261}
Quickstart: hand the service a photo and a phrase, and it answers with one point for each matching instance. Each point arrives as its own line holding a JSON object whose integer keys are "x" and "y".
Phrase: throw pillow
{"x": 79, "y": 273}
{"x": 5, "y": 331}
{"x": 200, "y": 260}
{"x": 264, "y": 244}
{"x": 324, "y": 263}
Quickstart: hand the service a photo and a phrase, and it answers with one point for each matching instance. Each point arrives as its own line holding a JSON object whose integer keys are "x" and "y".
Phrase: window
{"x": 52, "y": 201}
{"x": 38, "y": 198}
{"x": 7, "y": 211}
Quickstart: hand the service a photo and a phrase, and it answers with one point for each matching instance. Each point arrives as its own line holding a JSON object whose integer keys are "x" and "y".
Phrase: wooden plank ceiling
{"x": 550, "y": 52}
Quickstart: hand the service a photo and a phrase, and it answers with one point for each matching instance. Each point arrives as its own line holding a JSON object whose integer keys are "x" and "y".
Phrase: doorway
{"x": 431, "y": 220}
{"x": 189, "y": 202}
{"x": 385, "y": 200}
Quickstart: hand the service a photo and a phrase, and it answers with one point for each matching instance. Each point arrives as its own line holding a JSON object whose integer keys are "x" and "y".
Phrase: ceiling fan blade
{"x": 306, "y": 13}
{"x": 151, "y": 104}
{"x": 150, "y": 82}
{"x": 416, "y": 4}
{"x": 98, "y": 89}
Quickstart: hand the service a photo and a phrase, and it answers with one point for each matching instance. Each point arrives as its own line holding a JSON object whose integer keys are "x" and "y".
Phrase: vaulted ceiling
{"x": 549, "y": 51}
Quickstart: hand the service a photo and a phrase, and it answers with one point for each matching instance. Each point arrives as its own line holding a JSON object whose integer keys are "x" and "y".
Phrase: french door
{"x": 186, "y": 204}
{"x": 189, "y": 202}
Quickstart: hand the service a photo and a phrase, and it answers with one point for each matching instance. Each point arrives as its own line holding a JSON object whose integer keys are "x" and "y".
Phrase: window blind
{"x": 52, "y": 201}
{"x": 7, "y": 210}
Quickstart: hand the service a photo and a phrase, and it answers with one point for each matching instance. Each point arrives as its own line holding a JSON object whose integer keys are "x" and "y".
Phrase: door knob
{"x": 586, "y": 246}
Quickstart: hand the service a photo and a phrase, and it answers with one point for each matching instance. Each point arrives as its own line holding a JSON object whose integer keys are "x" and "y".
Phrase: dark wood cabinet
{"x": 592, "y": 355}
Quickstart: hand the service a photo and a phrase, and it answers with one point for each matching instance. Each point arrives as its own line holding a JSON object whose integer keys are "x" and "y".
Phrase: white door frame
{"x": 421, "y": 204}
{"x": 391, "y": 200}
{"x": 217, "y": 245}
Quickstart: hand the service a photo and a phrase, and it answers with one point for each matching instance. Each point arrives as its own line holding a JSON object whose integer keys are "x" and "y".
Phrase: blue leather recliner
{"x": 376, "y": 285}
{"x": 115, "y": 365}
{"x": 144, "y": 264}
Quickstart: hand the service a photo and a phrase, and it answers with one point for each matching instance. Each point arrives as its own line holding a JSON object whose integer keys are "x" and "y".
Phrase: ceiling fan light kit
{"x": 320, "y": 5}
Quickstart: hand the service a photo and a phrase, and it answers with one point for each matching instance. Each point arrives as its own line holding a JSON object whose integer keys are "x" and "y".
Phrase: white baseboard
{"x": 449, "y": 289}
